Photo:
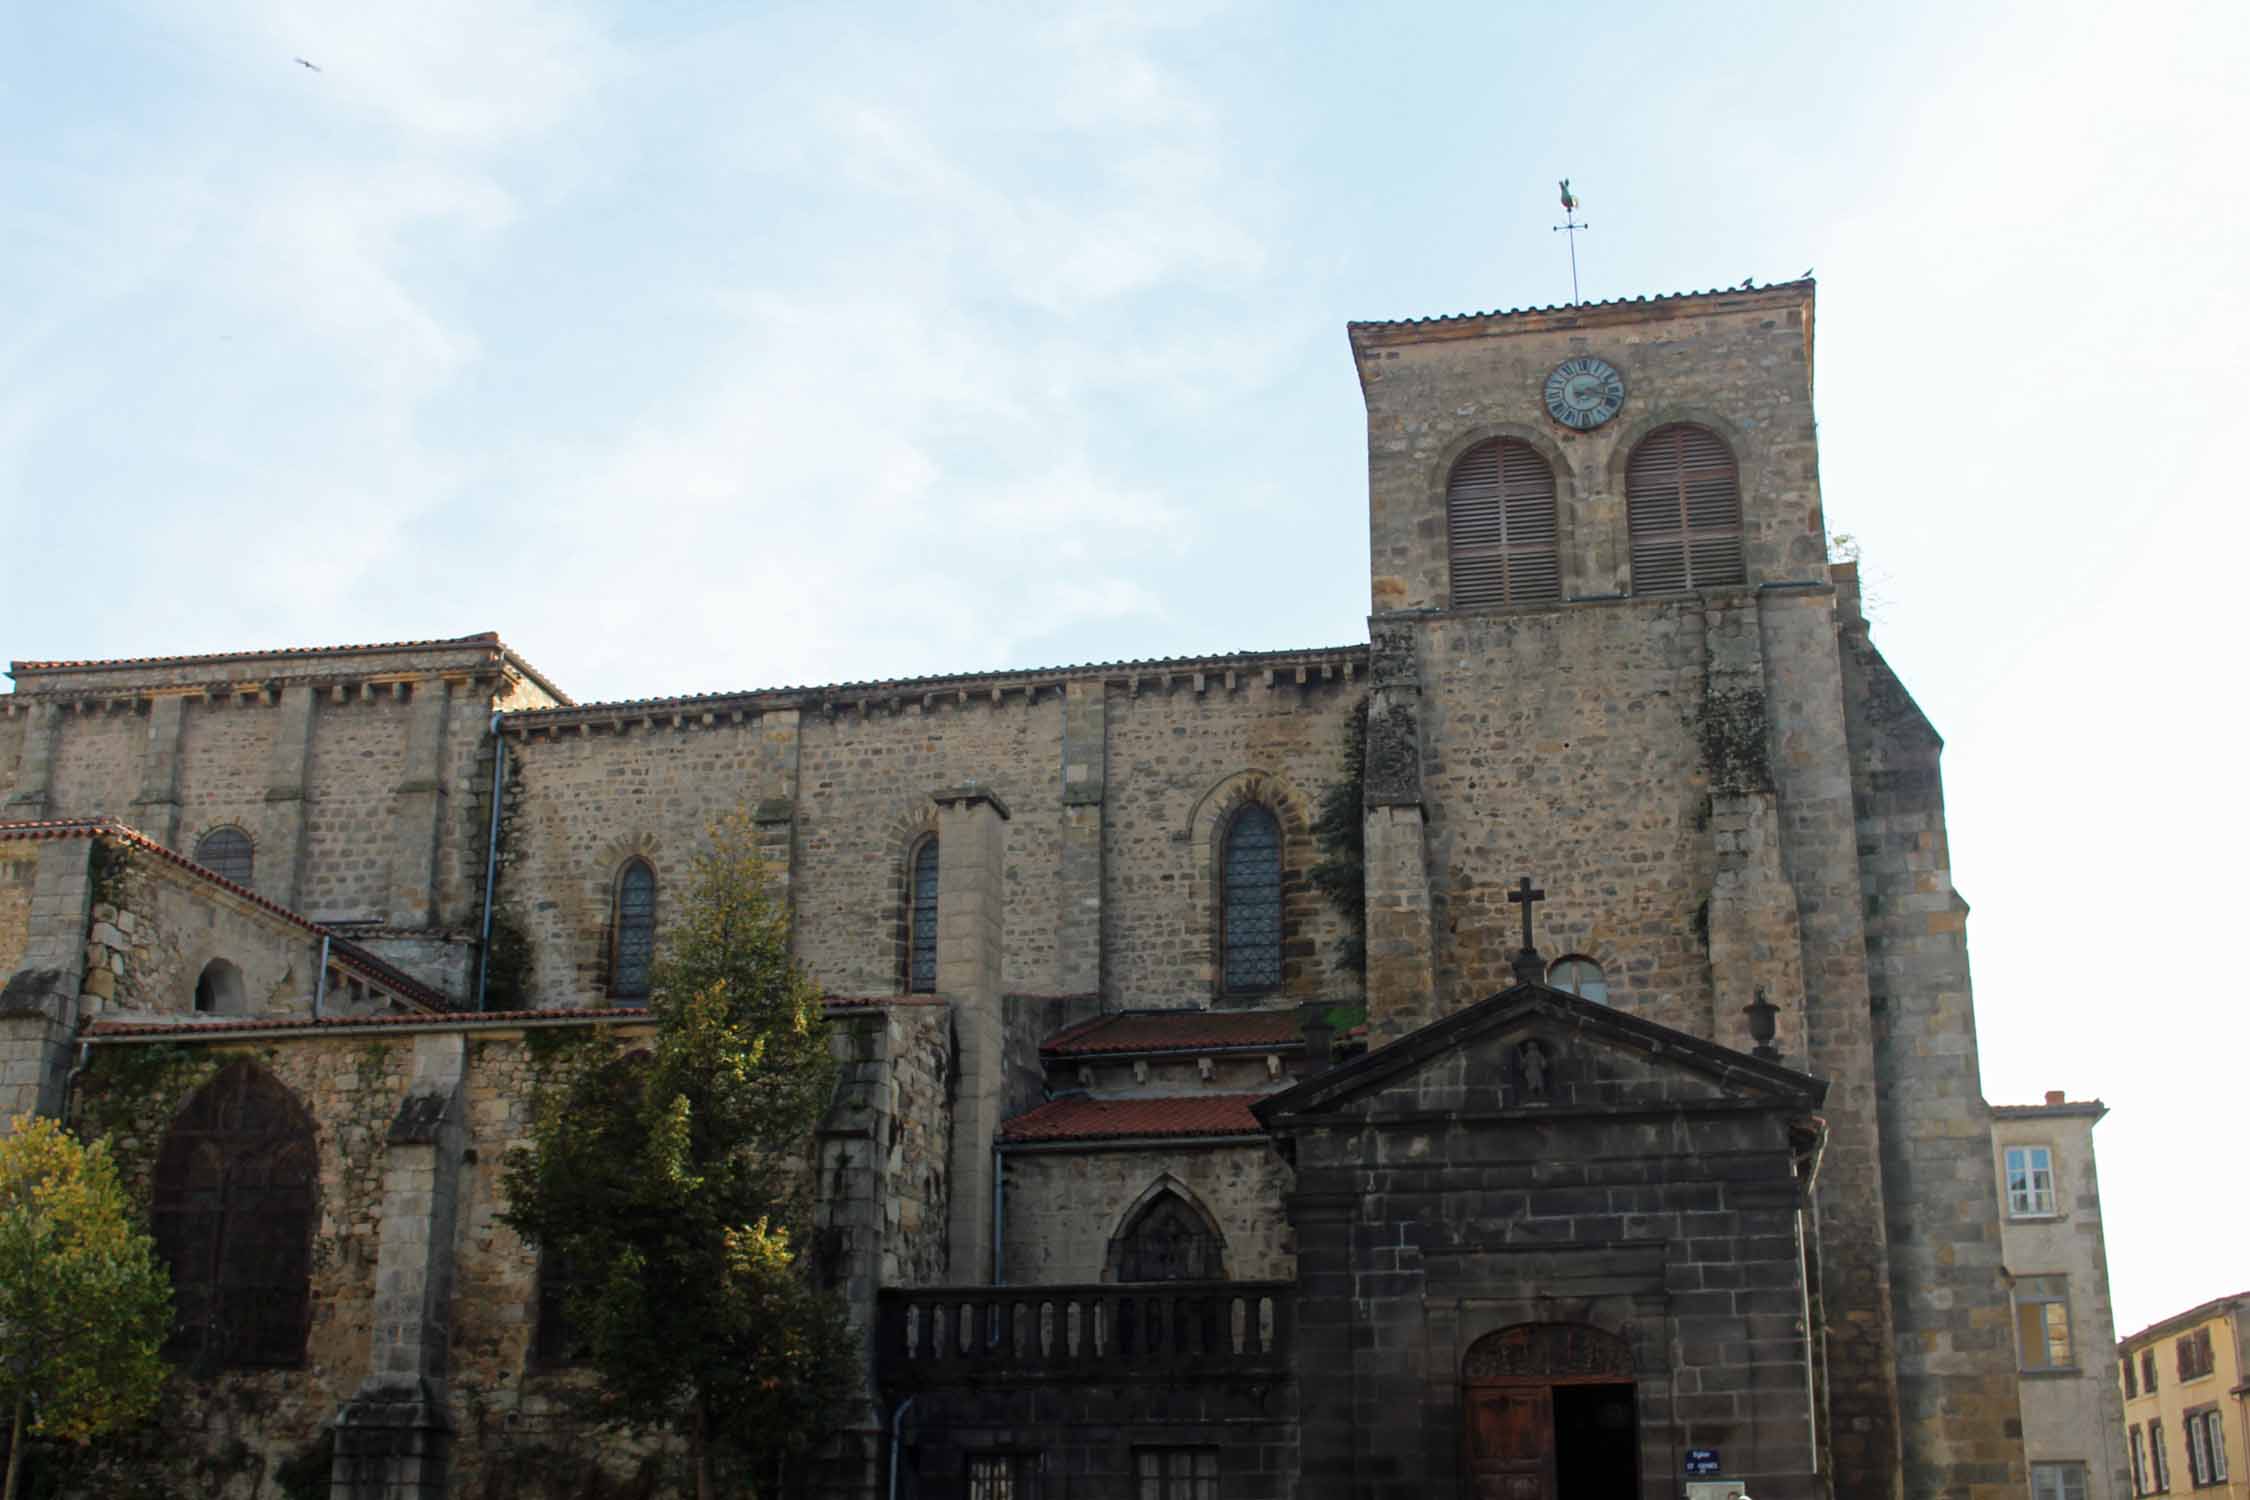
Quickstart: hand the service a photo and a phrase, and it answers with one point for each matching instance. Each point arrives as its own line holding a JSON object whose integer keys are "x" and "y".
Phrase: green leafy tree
{"x": 676, "y": 1187}
{"x": 84, "y": 1303}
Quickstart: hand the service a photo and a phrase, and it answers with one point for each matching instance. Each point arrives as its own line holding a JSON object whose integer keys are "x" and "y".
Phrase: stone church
{"x": 1627, "y": 1138}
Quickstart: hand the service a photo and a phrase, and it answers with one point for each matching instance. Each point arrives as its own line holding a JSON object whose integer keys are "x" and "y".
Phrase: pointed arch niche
{"x": 234, "y": 1208}
{"x": 1167, "y": 1235}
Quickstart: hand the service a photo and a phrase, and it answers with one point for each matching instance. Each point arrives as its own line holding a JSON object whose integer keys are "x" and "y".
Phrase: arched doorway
{"x": 1547, "y": 1412}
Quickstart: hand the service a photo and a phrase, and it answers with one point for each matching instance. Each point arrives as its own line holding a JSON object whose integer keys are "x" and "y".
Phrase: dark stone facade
{"x": 1538, "y": 1207}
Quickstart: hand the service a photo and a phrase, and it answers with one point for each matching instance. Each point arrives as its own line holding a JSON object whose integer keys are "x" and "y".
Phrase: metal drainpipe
{"x": 491, "y": 855}
{"x": 70, "y": 1081}
{"x": 898, "y": 1421}
{"x": 320, "y": 982}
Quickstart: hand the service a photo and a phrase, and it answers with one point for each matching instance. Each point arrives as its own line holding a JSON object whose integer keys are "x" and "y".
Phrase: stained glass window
{"x": 1252, "y": 901}
{"x": 233, "y": 1214}
{"x": 227, "y": 852}
{"x": 1170, "y": 1242}
{"x": 636, "y": 932}
{"x": 921, "y": 961}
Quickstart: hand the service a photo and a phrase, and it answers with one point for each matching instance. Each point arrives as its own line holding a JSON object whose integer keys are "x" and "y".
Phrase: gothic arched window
{"x": 633, "y": 944}
{"x": 1250, "y": 901}
{"x": 1169, "y": 1241}
{"x": 233, "y": 1216}
{"x": 226, "y": 852}
{"x": 1500, "y": 526}
{"x": 921, "y": 917}
{"x": 1683, "y": 509}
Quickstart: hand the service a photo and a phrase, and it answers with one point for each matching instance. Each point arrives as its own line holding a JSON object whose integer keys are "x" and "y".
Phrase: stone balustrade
{"x": 947, "y": 1335}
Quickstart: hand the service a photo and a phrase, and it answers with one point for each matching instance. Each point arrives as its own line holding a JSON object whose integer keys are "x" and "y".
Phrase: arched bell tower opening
{"x": 1548, "y": 1412}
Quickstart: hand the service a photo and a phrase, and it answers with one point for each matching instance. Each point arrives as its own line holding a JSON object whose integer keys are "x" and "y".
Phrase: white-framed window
{"x": 2140, "y": 1460}
{"x": 2207, "y": 1447}
{"x": 2065, "y": 1481}
{"x": 1002, "y": 1476}
{"x": 2043, "y": 1322}
{"x": 2159, "y": 1465}
{"x": 2031, "y": 1182}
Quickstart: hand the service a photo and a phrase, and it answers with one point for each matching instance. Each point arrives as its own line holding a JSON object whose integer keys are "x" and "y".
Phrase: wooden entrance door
{"x": 1510, "y": 1431}
{"x": 1508, "y": 1382}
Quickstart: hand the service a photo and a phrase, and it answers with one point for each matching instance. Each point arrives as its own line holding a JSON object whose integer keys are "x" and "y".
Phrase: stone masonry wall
{"x": 156, "y": 926}
{"x": 578, "y": 806}
{"x": 224, "y": 1436}
{"x": 1179, "y": 759}
{"x": 1956, "y": 1364}
{"x": 357, "y": 757}
{"x": 97, "y": 763}
{"x": 1064, "y": 1207}
{"x": 12, "y": 728}
{"x": 19, "y": 866}
{"x": 225, "y": 749}
{"x": 1562, "y": 744}
{"x": 1740, "y": 365}
{"x": 915, "y": 1171}
{"x": 865, "y": 780}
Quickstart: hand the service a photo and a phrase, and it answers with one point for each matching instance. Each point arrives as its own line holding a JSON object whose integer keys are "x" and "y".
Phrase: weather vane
{"x": 1571, "y": 226}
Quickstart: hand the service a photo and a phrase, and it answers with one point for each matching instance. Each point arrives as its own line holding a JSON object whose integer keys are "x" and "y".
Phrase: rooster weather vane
{"x": 1571, "y": 226}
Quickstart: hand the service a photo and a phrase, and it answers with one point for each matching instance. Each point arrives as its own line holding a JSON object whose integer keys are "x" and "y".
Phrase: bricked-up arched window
{"x": 633, "y": 940}
{"x": 921, "y": 918}
{"x": 1250, "y": 901}
{"x": 234, "y": 1221}
{"x": 1170, "y": 1241}
{"x": 226, "y": 851}
{"x": 1683, "y": 509}
{"x": 1500, "y": 526}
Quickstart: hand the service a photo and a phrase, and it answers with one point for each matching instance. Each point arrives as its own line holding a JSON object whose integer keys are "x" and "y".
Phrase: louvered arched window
{"x": 1250, "y": 900}
{"x": 227, "y": 852}
{"x": 921, "y": 918}
{"x": 233, "y": 1210}
{"x": 1683, "y": 507}
{"x": 1500, "y": 526}
{"x": 633, "y": 948}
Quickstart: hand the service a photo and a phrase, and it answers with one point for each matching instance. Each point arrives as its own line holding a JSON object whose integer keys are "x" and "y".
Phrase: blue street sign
{"x": 1703, "y": 1460}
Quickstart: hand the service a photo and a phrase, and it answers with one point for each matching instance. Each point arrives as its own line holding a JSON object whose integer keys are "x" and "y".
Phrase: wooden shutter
{"x": 1500, "y": 527}
{"x": 1683, "y": 510}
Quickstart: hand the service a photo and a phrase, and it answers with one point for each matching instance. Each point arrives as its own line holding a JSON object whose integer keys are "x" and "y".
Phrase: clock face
{"x": 1583, "y": 393}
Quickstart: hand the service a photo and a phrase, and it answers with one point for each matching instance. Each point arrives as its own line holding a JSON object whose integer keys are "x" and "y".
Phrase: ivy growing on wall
{"x": 1340, "y": 831}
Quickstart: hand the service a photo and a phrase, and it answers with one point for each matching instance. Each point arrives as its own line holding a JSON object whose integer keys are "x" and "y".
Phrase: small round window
{"x": 1579, "y": 976}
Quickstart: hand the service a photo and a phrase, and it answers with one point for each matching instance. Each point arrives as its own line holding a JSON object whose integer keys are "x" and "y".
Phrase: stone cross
{"x": 1524, "y": 895}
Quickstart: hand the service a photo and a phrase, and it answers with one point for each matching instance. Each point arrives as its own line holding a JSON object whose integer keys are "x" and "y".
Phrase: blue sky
{"x": 699, "y": 347}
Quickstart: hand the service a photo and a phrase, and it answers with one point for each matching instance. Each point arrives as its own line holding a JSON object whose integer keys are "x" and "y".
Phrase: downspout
{"x": 491, "y": 855}
{"x": 898, "y": 1422}
{"x": 70, "y": 1081}
{"x": 320, "y": 982}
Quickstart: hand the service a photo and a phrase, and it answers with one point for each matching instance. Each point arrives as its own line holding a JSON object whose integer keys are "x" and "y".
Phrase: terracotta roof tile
{"x": 1083, "y": 1119}
{"x": 489, "y": 639}
{"x": 1579, "y": 307}
{"x": 876, "y": 687}
{"x": 341, "y": 949}
{"x": 1176, "y": 1031}
{"x": 196, "y": 1026}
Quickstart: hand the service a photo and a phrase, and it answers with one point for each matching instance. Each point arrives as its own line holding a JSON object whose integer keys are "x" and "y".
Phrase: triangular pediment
{"x": 1532, "y": 1050}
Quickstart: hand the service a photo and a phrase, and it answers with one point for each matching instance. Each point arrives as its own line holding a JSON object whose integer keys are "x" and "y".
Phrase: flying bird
{"x": 303, "y": 64}
{"x": 1570, "y": 204}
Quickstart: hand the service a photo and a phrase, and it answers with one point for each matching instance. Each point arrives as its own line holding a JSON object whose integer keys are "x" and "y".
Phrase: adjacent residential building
{"x": 2183, "y": 1387}
{"x": 2051, "y": 1238}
